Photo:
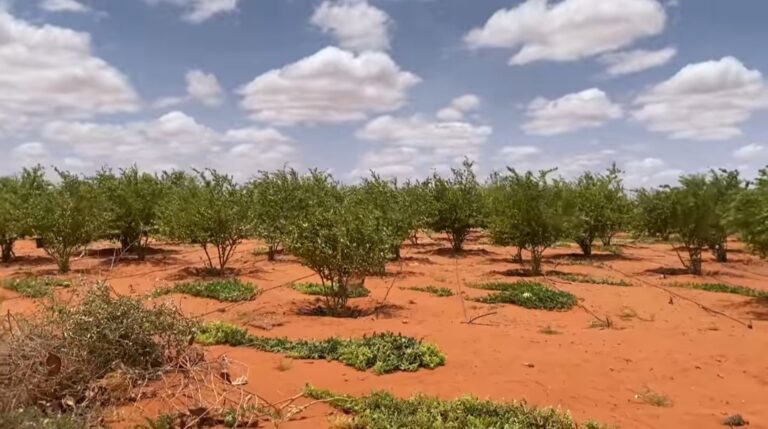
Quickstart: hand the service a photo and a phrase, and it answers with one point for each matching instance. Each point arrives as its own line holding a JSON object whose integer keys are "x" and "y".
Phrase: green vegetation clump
{"x": 527, "y": 294}
{"x": 382, "y": 410}
{"x": 436, "y": 291}
{"x": 383, "y": 352}
{"x": 34, "y": 287}
{"x": 578, "y": 278}
{"x": 724, "y": 288}
{"x": 230, "y": 290}
{"x": 317, "y": 289}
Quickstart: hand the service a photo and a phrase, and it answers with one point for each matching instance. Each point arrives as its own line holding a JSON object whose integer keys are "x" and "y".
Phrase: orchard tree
{"x": 726, "y": 185}
{"x": 340, "y": 237}
{"x": 392, "y": 208}
{"x": 653, "y": 213}
{"x": 133, "y": 201}
{"x": 417, "y": 205}
{"x": 748, "y": 215}
{"x": 273, "y": 206}
{"x": 18, "y": 195}
{"x": 208, "y": 209}
{"x": 529, "y": 211}
{"x": 694, "y": 218}
{"x": 67, "y": 216}
{"x": 456, "y": 204}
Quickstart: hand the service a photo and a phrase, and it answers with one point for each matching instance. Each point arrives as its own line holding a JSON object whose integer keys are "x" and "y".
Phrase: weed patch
{"x": 222, "y": 290}
{"x": 317, "y": 289}
{"x": 436, "y": 291}
{"x": 549, "y": 330}
{"x": 724, "y": 288}
{"x": 578, "y": 278}
{"x": 381, "y": 410}
{"x": 382, "y": 352}
{"x": 655, "y": 399}
{"x": 527, "y": 294}
{"x": 35, "y": 287}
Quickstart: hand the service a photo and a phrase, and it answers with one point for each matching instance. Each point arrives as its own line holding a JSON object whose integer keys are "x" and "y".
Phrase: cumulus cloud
{"x": 512, "y": 154}
{"x": 568, "y": 30}
{"x": 49, "y": 71}
{"x": 72, "y": 6}
{"x": 204, "y": 87}
{"x": 620, "y": 63}
{"x": 749, "y": 152}
{"x": 586, "y": 109}
{"x": 330, "y": 86}
{"x": 458, "y": 107}
{"x": 650, "y": 172}
{"x": 197, "y": 11}
{"x": 356, "y": 24}
{"x": 703, "y": 101}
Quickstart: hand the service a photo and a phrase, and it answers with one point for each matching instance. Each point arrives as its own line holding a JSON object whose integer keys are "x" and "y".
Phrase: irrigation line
{"x": 383, "y": 301}
{"x": 458, "y": 285}
{"x": 578, "y": 304}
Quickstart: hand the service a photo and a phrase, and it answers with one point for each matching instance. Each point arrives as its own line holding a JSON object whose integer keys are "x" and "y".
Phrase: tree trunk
{"x": 721, "y": 252}
{"x": 396, "y": 252}
{"x": 7, "y": 246}
{"x": 519, "y": 256}
{"x": 536, "y": 257}
{"x": 63, "y": 263}
{"x": 694, "y": 265}
{"x": 586, "y": 246}
{"x": 271, "y": 253}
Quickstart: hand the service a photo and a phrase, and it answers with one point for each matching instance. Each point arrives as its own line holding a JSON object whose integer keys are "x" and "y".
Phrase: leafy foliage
{"x": 208, "y": 209}
{"x": 34, "y": 287}
{"x": 18, "y": 195}
{"x": 456, "y": 204}
{"x": 274, "y": 206}
{"x": 748, "y": 215}
{"x": 229, "y": 290}
{"x": 317, "y": 289}
{"x": 528, "y": 295}
{"x": 397, "y": 212}
{"x": 382, "y": 410}
{"x": 382, "y": 352}
{"x": 436, "y": 291}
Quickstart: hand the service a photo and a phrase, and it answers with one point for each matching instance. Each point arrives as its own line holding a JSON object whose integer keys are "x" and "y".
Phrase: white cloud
{"x": 512, "y": 154}
{"x": 620, "y": 63}
{"x": 458, "y": 107}
{"x": 330, "y": 86}
{"x": 197, "y": 11}
{"x": 256, "y": 135}
{"x": 650, "y": 172}
{"x": 703, "y": 101}
{"x": 73, "y": 6}
{"x": 49, "y": 71}
{"x": 357, "y": 25}
{"x": 586, "y": 109}
{"x": 568, "y": 30}
{"x": 749, "y": 152}
{"x": 204, "y": 87}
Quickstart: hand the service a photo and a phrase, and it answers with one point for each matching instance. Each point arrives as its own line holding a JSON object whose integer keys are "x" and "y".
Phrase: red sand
{"x": 708, "y": 365}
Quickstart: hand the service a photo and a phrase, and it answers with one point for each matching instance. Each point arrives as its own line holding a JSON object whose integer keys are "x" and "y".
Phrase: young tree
{"x": 528, "y": 211}
{"x": 392, "y": 208}
{"x": 694, "y": 218}
{"x": 726, "y": 185}
{"x": 133, "y": 201}
{"x": 456, "y": 204}
{"x": 274, "y": 207}
{"x": 340, "y": 237}
{"x": 653, "y": 212}
{"x": 208, "y": 209}
{"x": 748, "y": 215}
{"x": 417, "y": 204}
{"x": 67, "y": 217}
{"x": 17, "y": 196}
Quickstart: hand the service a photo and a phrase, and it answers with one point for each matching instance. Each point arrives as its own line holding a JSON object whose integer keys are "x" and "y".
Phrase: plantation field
{"x": 642, "y": 348}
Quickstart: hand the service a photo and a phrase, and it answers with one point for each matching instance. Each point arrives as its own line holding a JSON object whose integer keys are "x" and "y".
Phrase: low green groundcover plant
{"x": 35, "y": 287}
{"x": 724, "y": 288}
{"x": 578, "y": 278}
{"x": 383, "y": 352}
{"x": 317, "y": 289}
{"x": 437, "y": 291}
{"x": 527, "y": 294}
{"x": 230, "y": 290}
{"x": 381, "y": 410}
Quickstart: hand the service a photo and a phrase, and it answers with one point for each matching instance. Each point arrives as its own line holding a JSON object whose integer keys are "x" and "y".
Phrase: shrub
{"x": 456, "y": 204}
{"x": 222, "y": 290}
{"x": 528, "y": 211}
{"x": 437, "y": 291}
{"x": 208, "y": 209}
{"x": 381, "y": 410}
{"x": 528, "y": 295}
{"x": 133, "y": 201}
{"x": 18, "y": 195}
{"x": 317, "y": 289}
{"x": 396, "y": 212}
{"x": 274, "y": 206}
{"x": 417, "y": 207}
{"x": 725, "y": 187}
{"x": 384, "y": 352}
{"x": 748, "y": 215}
{"x": 653, "y": 216}
{"x": 34, "y": 287}
{"x": 67, "y": 217}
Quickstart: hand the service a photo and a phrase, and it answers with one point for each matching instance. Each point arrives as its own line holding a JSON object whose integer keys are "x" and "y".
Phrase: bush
{"x": 748, "y": 215}
{"x": 653, "y": 216}
{"x": 436, "y": 291}
{"x": 528, "y": 295}
{"x": 67, "y": 217}
{"x": 395, "y": 210}
{"x": 274, "y": 206}
{"x": 208, "y": 209}
{"x": 381, "y": 410}
{"x": 18, "y": 195}
{"x": 417, "y": 207}
{"x": 456, "y": 204}
{"x": 221, "y": 290}
{"x": 317, "y": 289}
{"x": 34, "y": 287}
{"x": 384, "y": 353}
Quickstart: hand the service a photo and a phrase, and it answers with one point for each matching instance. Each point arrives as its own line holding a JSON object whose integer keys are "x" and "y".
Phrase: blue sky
{"x": 405, "y": 87}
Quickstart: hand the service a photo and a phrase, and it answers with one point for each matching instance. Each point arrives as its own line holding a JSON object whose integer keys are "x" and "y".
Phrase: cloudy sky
{"x": 403, "y": 87}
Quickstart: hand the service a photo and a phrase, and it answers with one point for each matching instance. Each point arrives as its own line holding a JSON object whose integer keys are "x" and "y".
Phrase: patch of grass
{"x": 382, "y": 410}
{"x": 549, "y": 330}
{"x": 436, "y": 291}
{"x": 655, "y": 399}
{"x": 383, "y": 352}
{"x": 578, "y": 278}
{"x": 724, "y": 288}
{"x": 606, "y": 323}
{"x": 317, "y": 289}
{"x": 32, "y": 418}
{"x": 35, "y": 287}
{"x": 229, "y": 290}
{"x": 612, "y": 249}
{"x": 527, "y": 294}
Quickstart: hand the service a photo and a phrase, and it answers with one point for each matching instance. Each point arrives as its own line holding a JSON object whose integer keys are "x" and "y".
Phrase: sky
{"x": 402, "y": 87}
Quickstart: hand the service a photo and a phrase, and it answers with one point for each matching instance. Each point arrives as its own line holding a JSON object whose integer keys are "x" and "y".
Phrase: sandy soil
{"x": 709, "y": 365}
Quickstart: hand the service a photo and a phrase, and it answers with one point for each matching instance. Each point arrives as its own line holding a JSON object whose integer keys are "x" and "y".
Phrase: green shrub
{"x": 724, "y": 288}
{"x": 18, "y": 198}
{"x": 317, "y": 289}
{"x": 527, "y": 294}
{"x": 437, "y": 291}
{"x": 578, "y": 278}
{"x": 230, "y": 290}
{"x": 35, "y": 287}
{"x": 274, "y": 206}
{"x": 382, "y": 410}
{"x": 382, "y": 352}
{"x": 456, "y": 204}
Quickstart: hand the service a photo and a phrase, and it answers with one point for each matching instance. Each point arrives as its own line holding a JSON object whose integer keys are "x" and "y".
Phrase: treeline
{"x": 322, "y": 221}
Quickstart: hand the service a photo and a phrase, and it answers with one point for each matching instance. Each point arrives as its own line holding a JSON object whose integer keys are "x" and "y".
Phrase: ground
{"x": 709, "y": 365}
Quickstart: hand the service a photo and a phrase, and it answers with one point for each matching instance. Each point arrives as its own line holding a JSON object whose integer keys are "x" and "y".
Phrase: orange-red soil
{"x": 708, "y": 365}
